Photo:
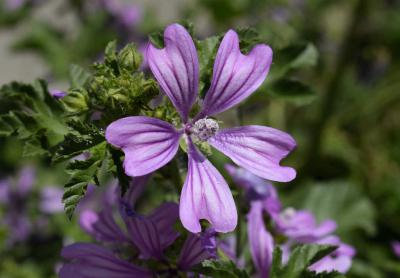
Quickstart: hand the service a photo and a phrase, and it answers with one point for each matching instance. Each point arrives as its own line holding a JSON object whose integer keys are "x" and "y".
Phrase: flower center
{"x": 287, "y": 215}
{"x": 205, "y": 128}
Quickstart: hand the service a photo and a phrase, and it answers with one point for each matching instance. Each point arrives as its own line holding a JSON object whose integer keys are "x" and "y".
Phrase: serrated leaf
{"x": 81, "y": 138}
{"x": 32, "y": 115}
{"x": 82, "y": 174}
{"x": 220, "y": 269}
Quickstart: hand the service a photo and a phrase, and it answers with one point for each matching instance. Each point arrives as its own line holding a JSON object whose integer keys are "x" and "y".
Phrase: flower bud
{"x": 129, "y": 58}
{"x": 76, "y": 101}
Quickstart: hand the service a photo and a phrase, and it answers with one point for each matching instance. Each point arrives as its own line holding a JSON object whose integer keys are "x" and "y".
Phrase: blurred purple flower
{"x": 149, "y": 234}
{"x": 13, "y": 5}
{"x": 126, "y": 14}
{"x": 149, "y": 143}
{"x": 299, "y": 227}
{"x": 51, "y": 200}
{"x": 396, "y": 248}
{"x": 56, "y": 93}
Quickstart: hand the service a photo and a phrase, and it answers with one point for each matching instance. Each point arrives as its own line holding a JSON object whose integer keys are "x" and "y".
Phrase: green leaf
{"x": 82, "y": 173}
{"x": 296, "y": 56}
{"x": 293, "y": 90}
{"x": 220, "y": 269}
{"x": 31, "y": 114}
{"x": 78, "y": 76}
{"x": 340, "y": 201}
{"x": 301, "y": 258}
{"x": 82, "y": 137}
{"x": 207, "y": 50}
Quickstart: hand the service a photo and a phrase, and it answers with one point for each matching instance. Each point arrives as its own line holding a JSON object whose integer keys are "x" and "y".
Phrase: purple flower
{"x": 299, "y": 227}
{"x": 58, "y": 94}
{"x": 149, "y": 143}
{"x": 90, "y": 260}
{"x": 14, "y": 195}
{"x": 12, "y": 5}
{"x": 396, "y": 248}
{"x": 340, "y": 260}
{"x": 260, "y": 240}
{"x": 150, "y": 235}
{"x": 51, "y": 200}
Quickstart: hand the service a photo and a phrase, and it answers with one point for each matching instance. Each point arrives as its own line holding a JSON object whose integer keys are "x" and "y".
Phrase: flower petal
{"x": 197, "y": 248}
{"x": 260, "y": 240}
{"x": 91, "y": 260}
{"x": 258, "y": 149}
{"x": 235, "y": 76}
{"x": 145, "y": 236}
{"x": 176, "y": 68}
{"x": 102, "y": 226}
{"x": 165, "y": 217}
{"x": 206, "y": 195}
{"x": 148, "y": 143}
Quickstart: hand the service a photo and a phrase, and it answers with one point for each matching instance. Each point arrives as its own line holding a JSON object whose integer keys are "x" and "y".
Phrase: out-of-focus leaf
{"x": 293, "y": 90}
{"x": 295, "y": 57}
{"x": 207, "y": 50}
{"x": 78, "y": 76}
{"x": 343, "y": 202}
{"x": 220, "y": 269}
{"x": 83, "y": 172}
{"x": 31, "y": 114}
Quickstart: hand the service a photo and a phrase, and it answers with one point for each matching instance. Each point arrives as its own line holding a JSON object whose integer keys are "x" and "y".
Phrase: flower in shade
{"x": 149, "y": 234}
{"x": 150, "y": 143}
{"x": 299, "y": 227}
{"x": 396, "y": 248}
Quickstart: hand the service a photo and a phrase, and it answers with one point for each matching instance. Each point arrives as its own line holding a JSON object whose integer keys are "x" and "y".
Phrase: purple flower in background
{"x": 150, "y": 235}
{"x": 51, "y": 200}
{"x": 299, "y": 227}
{"x": 396, "y": 248}
{"x": 149, "y": 143}
{"x": 340, "y": 260}
{"x": 58, "y": 94}
{"x": 14, "y": 196}
{"x": 13, "y": 5}
{"x": 260, "y": 240}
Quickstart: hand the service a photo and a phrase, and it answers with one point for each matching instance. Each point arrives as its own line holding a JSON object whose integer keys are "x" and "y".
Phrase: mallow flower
{"x": 297, "y": 226}
{"x": 150, "y": 143}
{"x": 149, "y": 234}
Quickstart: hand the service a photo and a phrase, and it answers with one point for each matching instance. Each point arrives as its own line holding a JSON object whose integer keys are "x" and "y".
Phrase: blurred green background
{"x": 334, "y": 85}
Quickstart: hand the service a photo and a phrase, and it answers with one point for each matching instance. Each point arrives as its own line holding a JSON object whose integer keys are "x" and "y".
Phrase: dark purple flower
{"x": 90, "y": 260}
{"x": 396, "y": 248}
{"x": 149, "y": 143}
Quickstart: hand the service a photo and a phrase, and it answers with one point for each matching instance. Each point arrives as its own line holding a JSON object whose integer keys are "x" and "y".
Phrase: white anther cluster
{"x": 205, "y": 128}
{"x": 287, "y": 215}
